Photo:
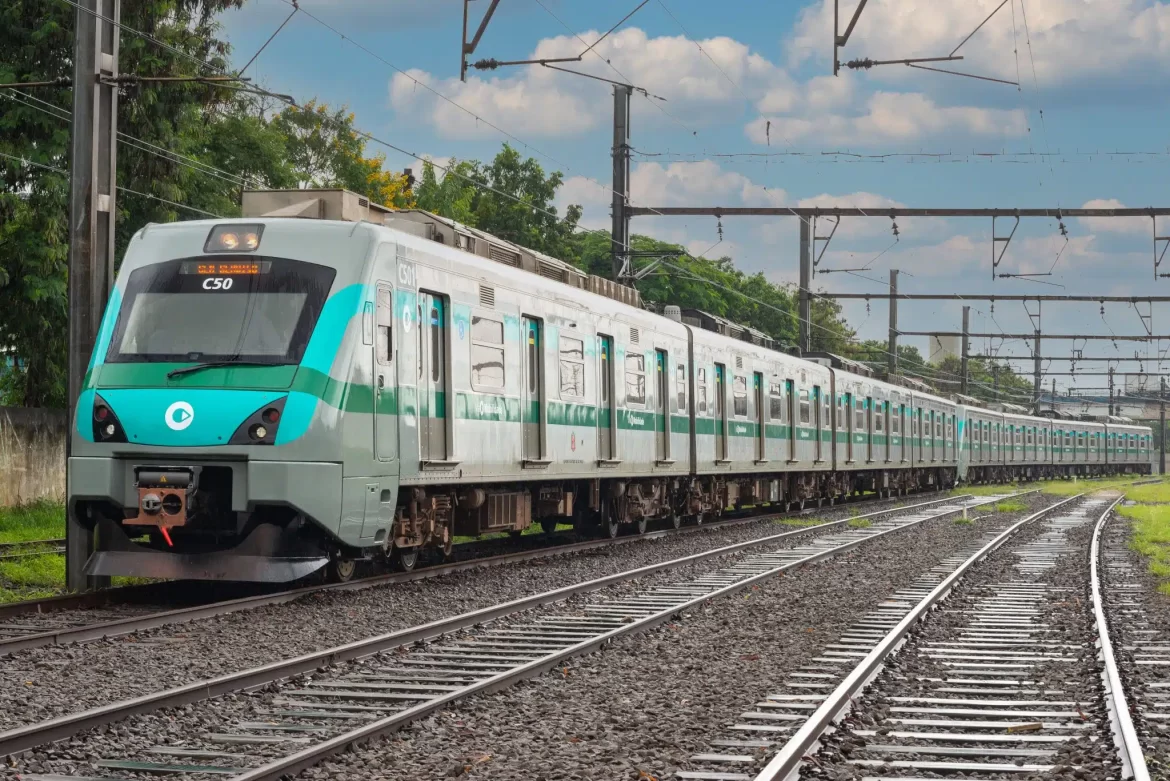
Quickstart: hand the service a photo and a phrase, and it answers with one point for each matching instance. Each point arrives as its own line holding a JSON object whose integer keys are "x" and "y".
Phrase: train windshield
{"x": 254, "y": 310}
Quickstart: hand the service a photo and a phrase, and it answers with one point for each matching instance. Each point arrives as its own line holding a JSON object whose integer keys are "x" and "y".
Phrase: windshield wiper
{"x": 218, "y": 364}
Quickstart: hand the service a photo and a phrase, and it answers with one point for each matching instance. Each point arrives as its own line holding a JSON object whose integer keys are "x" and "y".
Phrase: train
{"x": 323, "y": 382}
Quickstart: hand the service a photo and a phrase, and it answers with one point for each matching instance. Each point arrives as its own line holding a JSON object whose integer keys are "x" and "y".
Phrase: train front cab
{"x": 219, "y": 422}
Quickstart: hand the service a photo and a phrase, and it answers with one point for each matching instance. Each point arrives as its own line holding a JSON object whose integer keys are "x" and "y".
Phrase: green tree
{"x": 511, "y": 197}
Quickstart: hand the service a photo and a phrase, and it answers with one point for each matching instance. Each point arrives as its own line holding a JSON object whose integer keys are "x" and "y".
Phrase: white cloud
{"x": 1131, "y": 226}
{"x": 544, "y": 102}
{"x": 538, "y": 102}
{"x": 1069, "y": 38}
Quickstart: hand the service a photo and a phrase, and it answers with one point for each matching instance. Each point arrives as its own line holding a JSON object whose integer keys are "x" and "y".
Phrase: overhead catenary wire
{"x": 121, "y": 188}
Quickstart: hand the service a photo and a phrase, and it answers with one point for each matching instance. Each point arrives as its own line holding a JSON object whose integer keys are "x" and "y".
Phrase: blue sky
{"x": 750, "y": 76}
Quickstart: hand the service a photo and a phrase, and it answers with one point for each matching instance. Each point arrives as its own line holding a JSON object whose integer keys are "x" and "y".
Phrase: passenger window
{"x": 701, "y": 388}
{"x": 436, "y": 345}
{"x": 878, "y": 417}
{"x": 859, "y": 416}
{"x": 487, "y": 353}
{"x": 805, "y": 407}
{"x": 740, "y": 403}
{"x": 680, "y": 386}
{"x": 776, "y": 401}
{"x": 572, "y": 367}
{"x": 635, "y": 379}
{"x": 385, "y": 322}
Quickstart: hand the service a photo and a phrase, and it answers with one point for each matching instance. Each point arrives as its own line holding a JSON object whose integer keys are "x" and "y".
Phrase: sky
{"x": 742, "y": 109}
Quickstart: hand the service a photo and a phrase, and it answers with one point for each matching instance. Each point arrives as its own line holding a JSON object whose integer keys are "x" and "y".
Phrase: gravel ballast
{"x": 54, "y": 680}
{"x": 642, "y": 705}
{"x": 1139, "y": 613}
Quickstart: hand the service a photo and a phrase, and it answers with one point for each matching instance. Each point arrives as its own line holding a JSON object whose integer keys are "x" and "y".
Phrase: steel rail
{"x": 31, "y": 735}
{"x": 306, "y": 758}
{"x": 1129, "y": 747}
{"x": 787, "y": 761}
{"x": 129, "y": 625}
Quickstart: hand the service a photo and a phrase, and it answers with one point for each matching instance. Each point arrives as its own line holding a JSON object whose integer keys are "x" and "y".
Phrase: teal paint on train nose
{"x": 192, "y": 417}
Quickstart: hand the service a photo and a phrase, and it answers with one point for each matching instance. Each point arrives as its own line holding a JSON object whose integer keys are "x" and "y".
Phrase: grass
{"x": 535, "y": 528}
{"x": 1154, "y": 493}
{"x": 41, "y": 520}
{"x": 961, "y": 521}
{"x": 860, "y": 523}
{"x": 802, "y": 522}
{"x": 1010, "y": 506}
{"x": 1151, "y": 538}
{"x": 34, "y": 576}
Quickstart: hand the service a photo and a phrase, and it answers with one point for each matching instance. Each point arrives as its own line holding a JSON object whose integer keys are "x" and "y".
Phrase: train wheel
{"x": 642, "y": 524}
{"x": 341, "y": 570}
{"x": 549, "y": 525}
{"x": 405, "y": 559}
{"x": 612, "y": 527}
{"x": 675, "y": 520}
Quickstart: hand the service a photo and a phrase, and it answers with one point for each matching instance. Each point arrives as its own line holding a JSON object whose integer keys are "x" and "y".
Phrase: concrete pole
{"x": 1037, "y": 379}
{"x": 893, "y": 348}
{"x": 620, "y": 231}
{"x": 93, "y": 169}
{"x": 805, "y": 287}
{"x": 966, "y": 350}
{"x": 1162, "y": 428}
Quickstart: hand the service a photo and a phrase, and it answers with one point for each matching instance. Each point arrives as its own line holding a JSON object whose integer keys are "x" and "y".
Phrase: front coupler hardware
{"x": 165, "y": 497}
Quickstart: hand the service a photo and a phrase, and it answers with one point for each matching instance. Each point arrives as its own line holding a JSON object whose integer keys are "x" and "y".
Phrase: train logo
{"x": 179, "y": 416}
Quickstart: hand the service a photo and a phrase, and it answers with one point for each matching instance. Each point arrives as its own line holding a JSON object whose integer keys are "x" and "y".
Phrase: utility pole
{"x": 93, "y": 173}
{"x": 1111, "y": 391}
{"x": 1037, "y": 378}
{"x": 805, "y": 292}
{"x": 966, "y": 349}
{"x": 995, "y": 381}
{"x": 893, "y": 349}
{"x": 620, "y": 232}
{"x": 1053, "y": 399}
{"x": 1162, "y": 425}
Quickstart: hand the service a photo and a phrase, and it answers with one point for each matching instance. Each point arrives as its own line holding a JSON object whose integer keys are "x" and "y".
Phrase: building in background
{"x": 943, "y": 347}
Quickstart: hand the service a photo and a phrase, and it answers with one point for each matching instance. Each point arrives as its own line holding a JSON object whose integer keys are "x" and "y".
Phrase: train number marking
{"x": 218, "y": 283}
{"x": 406, "y": 318}
{"x": 405, "y": 274}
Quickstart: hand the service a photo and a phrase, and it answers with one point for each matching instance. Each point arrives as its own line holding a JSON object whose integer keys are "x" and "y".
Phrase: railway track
{"x": 317, "y": 705}
{"x": 79, "y": 618}
{"x": 1141, "y": 640}
{"x": 25, "y": 549}
{"x": 1003, "y": 679}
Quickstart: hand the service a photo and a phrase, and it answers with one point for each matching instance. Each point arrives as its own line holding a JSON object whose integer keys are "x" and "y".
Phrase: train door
{"x": 382, "y": 338}
{"x": 849, "y": 417}
{"x": 531, "y": 406}
{"x": 661, "y": 407}
{"x": 761, "y": 427}
{"x": 819, "y": 421}
{"x": 868, "y": 418}
{"x": 790, "y": 413}
{"x": 885, "y": 413}
{"x": 720, "y": 412}
{"x": 607, "y": 417}
{"x": 432, "y": 403}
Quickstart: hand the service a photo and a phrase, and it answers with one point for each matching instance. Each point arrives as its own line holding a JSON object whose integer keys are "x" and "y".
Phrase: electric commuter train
{"x": 270, "y": 396}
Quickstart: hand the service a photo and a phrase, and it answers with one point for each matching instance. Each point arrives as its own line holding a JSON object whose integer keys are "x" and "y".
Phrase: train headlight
{"x": 106, "y": 426}
{"x": 234, "y": 238}
{"x": 261, "y": 427}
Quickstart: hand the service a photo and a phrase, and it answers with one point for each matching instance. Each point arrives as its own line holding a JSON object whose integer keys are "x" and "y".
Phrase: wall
{"x": 32, "y": 454}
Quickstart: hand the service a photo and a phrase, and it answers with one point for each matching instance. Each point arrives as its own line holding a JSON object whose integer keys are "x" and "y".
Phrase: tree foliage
{"x": 474, "y": 193}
